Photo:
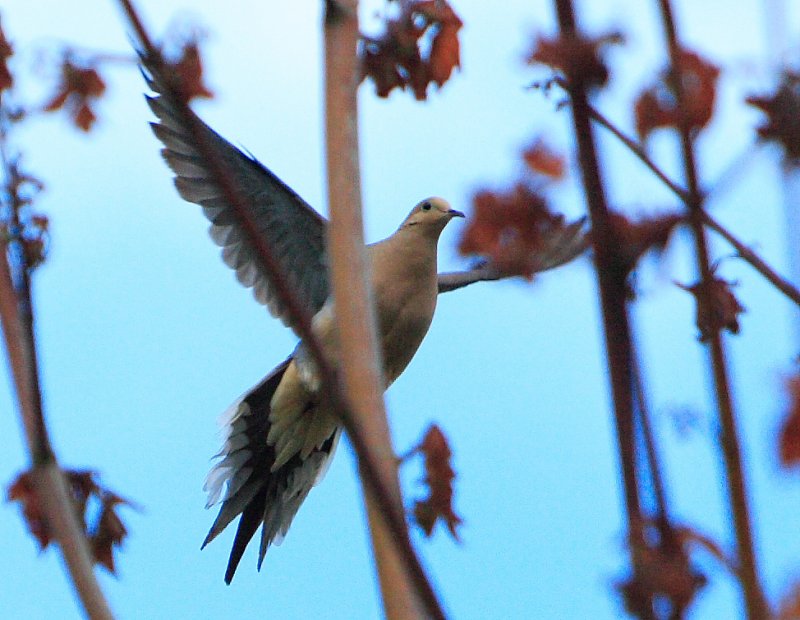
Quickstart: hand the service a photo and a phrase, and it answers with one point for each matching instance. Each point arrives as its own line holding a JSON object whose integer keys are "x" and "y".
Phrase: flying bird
{"x": 280, "y": 435}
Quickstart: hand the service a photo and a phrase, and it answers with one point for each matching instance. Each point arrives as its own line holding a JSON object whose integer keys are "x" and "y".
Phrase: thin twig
{"x": 779, "y": 282}
{"x": 611, "y": 278}
{"x": 635, "y": 148}
{"x": 301, "y": 323}
{"x": 753, "y": 594}
{"x": 746, "y": 253}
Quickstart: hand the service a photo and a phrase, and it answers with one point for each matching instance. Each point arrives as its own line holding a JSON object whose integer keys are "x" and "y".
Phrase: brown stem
{"x": 746, "y": 253}
{"x": 783, "y": 285}
{"x": 16, "y": 314}
{"x": 611, "y": 278}
{"x": 731, "y": 450}
{"x": 359, "y": 355}
{"x": 301, "y": 322}
{"x": 635, "y": 148}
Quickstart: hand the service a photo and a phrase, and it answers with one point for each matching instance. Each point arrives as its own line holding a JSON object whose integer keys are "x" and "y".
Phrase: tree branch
{"x": 611, "y": 277}
{"x": 731, "y": 449}
{"x": 746, "y": 253}
{"x": 782, "y": 284}
{"x": 16, "y": 314}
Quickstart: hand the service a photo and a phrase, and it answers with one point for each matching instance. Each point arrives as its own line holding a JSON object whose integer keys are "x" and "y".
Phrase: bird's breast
{"x": 403, "y": 324}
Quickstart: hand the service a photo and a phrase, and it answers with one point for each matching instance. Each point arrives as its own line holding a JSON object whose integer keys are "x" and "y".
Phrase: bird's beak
{"x": 454, "y": 213}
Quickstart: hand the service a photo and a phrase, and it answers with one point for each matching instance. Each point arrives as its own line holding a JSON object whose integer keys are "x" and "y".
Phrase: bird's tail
{"x": 243, "y": 481}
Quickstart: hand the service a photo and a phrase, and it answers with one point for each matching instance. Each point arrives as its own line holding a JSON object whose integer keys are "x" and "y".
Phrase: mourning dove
{"x": 281, "y": 435}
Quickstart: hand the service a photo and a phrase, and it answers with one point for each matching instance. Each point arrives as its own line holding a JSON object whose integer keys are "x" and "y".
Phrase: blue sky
{"x": 146, "y": 337}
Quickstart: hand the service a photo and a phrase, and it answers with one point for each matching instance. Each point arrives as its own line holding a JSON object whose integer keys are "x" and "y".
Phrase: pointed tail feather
{"x": 260, "y": 496}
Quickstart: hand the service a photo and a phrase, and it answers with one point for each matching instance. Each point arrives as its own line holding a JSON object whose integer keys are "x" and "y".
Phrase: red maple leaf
{"x": 657, "y": 107}
{"x": 77, "y": 93}
{"x": 6, "y": 51}
{"x": 397, "y": 59}
{"x": 439, "y": 477}
{"x": 632, "y": 239}
{"x": 578, "y": 58}
{"x": 508, "y": 229}
{"x": 782, "y": 109}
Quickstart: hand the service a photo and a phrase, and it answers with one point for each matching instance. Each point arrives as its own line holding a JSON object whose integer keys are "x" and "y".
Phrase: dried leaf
{"x": 397, "y": 60}
{"x": 508, "y": 228}
{"x": 109, "y": 533}
{"x": 77, "y": 93}
{"x": 23, "y": 490}
{"x": 578, "y": 58}
{"x": 789, "y": 435}
{"x": 105, "y": 532}
{"x": 189, "y": 71}
{"x": 633, "y": 239}
{"x": 439, "y": 477}
{"x": 783, "y": 117}
{"x": 657, "y": 107}
{"x": 663, "y": 570}
{"x": 6, "y": 51}
{"x": 541, "y": 159}
{"x": 717, "y": 307}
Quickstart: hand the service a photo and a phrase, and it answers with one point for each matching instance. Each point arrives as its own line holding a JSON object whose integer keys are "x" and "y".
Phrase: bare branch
{"x": 16, "y": 313}
{"x": 782, "y": 284}
{"x": 755, "y": 602}
{"x": 612, "y": 286}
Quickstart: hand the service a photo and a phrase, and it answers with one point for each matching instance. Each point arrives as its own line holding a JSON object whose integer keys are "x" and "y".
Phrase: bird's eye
{"x": 426, "y": 206}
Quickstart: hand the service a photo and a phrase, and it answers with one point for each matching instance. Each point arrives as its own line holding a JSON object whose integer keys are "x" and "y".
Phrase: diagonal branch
{"x": 639, "y": 151}
{"x": 779, "y": 282}
{"x": 746, "y": 253}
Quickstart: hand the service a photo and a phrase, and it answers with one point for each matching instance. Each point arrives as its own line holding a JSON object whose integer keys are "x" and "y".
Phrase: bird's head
{"x": 432, "y": 214}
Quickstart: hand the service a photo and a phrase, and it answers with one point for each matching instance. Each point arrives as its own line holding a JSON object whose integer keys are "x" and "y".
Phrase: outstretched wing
{"x": 291, "y": 228}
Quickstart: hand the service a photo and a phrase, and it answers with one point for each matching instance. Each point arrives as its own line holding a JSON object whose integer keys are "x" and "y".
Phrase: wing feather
{"x": 290, "y": 227}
